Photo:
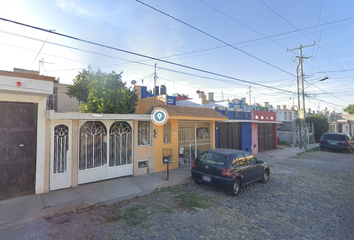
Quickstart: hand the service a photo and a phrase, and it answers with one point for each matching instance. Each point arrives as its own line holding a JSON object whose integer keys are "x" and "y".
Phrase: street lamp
{"x": 320, "y": 80}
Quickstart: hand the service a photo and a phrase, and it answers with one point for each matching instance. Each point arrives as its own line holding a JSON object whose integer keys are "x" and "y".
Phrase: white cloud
{"x": 71, "y": 7}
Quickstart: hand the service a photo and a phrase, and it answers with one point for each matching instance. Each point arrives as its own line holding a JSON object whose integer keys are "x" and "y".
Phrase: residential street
{"x": 307, "y": 197}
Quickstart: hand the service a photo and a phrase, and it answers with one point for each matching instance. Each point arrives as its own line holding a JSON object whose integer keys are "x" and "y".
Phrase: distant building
{"x": 59, "y": 101}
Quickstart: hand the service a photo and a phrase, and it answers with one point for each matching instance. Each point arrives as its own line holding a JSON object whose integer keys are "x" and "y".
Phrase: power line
{"x": 192, "y": 52}
{"x": 233, "y": 19}
{"x": 218, "y": 39}
{"x": 144, "y": 56}
{"x": 319, "y": 46}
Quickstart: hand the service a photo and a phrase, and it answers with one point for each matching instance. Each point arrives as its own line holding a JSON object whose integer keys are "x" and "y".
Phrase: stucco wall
{"x": 64, "y": 102}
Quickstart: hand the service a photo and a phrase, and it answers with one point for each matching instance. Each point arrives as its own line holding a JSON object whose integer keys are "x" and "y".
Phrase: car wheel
{"x": 197, "y": 181}
{"x": 235, "y": 188}
{"x": 265, "y": 177}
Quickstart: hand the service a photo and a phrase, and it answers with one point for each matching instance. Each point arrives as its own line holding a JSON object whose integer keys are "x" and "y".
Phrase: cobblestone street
{"x": 308, "y": 197}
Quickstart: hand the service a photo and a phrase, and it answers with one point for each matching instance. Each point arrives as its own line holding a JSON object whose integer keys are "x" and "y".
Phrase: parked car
{"x": 229, "y": 168}
{"x": 336, "y": 141}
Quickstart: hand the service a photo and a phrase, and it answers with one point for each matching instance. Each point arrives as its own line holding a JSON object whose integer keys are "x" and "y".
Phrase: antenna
{"x": 42, "y": 62}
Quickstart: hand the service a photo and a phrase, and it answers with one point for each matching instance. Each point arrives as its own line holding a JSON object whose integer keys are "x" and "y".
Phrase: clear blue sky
{"x": 235, "y": 44}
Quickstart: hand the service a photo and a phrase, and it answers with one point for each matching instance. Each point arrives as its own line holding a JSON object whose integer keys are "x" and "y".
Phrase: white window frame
{"x": 140, "y": 137}
{"x": 147, "y": 166}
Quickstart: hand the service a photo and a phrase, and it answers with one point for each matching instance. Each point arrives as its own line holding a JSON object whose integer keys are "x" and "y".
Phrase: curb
{"x": 174, "y": 182}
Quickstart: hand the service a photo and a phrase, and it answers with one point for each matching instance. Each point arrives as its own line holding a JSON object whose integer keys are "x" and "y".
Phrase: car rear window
{"x": 212, "y": 158}
{"x": 334, "y": 137}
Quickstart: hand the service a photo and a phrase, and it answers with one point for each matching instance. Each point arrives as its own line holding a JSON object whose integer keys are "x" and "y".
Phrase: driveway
{"x": 307, "y": 197}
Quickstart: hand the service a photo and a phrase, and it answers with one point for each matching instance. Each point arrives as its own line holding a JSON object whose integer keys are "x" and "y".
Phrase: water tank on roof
{"x": 163, "y": 89}
{"x": 156, "y": 90}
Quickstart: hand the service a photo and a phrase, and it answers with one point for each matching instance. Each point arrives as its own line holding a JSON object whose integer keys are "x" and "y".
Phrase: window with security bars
{"x": 167, "y": 133}
{"x": 144, "y": 137}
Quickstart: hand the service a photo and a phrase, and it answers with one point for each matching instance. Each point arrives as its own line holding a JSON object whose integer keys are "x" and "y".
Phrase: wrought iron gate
{"x": 18, "y": 141}
{"x": 193, "y": 138}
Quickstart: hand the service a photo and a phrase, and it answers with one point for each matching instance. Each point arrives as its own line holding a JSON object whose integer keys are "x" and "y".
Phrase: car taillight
{"x": 320, "y": 141}
{"x": 225, "y": 172}
{"x": 347, "y": 143}
{"x": 193, "y": 164}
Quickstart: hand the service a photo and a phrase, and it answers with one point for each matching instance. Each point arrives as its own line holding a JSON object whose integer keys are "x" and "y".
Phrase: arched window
{"x": 144, "y": 133}
{"x": 120, "y": 147}
{"x": 61, "y": 146}
{"x": 167, "y": 133}
{"x": 93, "y": 145}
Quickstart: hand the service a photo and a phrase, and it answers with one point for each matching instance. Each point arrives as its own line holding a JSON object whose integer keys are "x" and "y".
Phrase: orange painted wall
{"x": 159, "y": 145}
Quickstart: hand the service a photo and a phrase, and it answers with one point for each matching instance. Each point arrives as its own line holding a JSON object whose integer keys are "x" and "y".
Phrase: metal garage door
{"x": 18, "y": 136}
{"x": 266, "y": 136}
{"x": 229, "y": 135}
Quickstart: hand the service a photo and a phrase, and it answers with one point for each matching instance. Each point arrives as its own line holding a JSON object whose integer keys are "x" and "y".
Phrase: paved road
{"x": 308, "y": 197}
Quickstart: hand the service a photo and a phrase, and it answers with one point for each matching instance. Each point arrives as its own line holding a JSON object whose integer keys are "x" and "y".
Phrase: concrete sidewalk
{"x": 31, "y": 207}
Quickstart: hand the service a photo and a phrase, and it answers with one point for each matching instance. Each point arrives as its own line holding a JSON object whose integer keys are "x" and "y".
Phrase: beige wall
{"x": 48, "y": 136}
{"x": 75, "y": 154}
{"x": 143, "y": 153}
{"x": 65, "y": 103}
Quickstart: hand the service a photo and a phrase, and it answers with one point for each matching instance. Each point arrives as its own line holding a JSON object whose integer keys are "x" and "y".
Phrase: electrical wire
{"x": 218, "y": 39}
{"x": 300, "y": 31}
{"x": 144, "y": 56}
{"x": 235, "y": 79}
{"x": 242, "y": 24}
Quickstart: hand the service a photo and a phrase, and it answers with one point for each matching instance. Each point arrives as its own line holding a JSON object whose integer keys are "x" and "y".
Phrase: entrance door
{"x": 18, "y": 145}
{"x": 92, "y": 152}
{"x": 229, "y": 135}
{"x": 60, "y": 161}
{"x": 266, "y": 139}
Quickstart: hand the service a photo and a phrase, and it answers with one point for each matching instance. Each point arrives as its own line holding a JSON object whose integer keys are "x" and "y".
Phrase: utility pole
{"x": 301, "y": 113}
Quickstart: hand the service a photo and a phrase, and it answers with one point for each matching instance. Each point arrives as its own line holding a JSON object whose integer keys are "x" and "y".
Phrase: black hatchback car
{"x": 336, "y": 141}
{"x": 229, "y": 168}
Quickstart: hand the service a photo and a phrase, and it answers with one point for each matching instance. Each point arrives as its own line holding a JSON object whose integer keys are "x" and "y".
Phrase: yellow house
{"x": 187, "y": 133}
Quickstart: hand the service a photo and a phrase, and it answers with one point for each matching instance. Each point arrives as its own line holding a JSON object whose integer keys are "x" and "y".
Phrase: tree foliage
{"x": 320, "y": 124}
{"x": 349, "y": 109}
{"x": 102, "y": 93}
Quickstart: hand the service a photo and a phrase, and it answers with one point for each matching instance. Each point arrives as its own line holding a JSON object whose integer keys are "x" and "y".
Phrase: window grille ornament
{"x": 93, "y": 129}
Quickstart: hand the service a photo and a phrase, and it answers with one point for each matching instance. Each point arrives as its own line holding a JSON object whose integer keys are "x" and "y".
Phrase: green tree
{"x": 102, "y": 93}
{"x": 349, "y": 109}
{"x": 320, "y": 124}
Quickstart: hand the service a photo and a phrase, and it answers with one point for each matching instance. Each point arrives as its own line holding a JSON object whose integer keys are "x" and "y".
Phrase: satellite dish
{"x": 133, "y": 82}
